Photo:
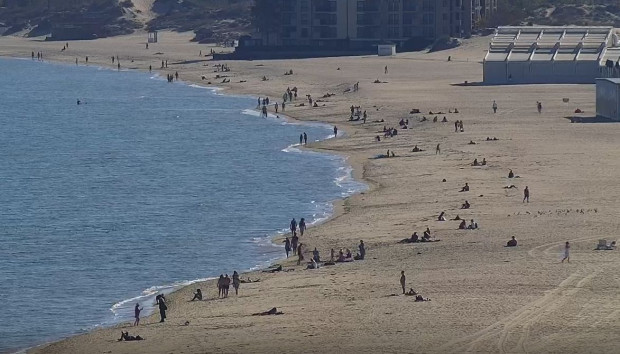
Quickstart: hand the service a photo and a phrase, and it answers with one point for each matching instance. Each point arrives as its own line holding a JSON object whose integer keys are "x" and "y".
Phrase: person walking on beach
{"x": 236, "y": 282}
{"x": 402, "y": 280}
{"x": 494, "y": 106}
{"x": 362, "y": 249}
{"x": 386, "y": 70}
{"x": 302, "y": 226}
{"x": 294, "y": 241}
{"x": 526, "y": 194}
{"x": 437, "y": 150}
{"x": 566, "y": 252}
{"x": 293, "y": 226}
{"x": 335, "y": 131}
{"x": 300, "y": 254}
{"x": 220, "y": 286}
{"x": 287, "y": 246}
{"x": 258, "y": 104}
{"x": 305, "y": 143}
{"x": 136, "y": 312}
{"x": 539, "y": 107}
{"x": 161, "y": 303}
{"x": 275, "y": 106}
{"x": 226, "y": 285}
{"x": 301, "y": 139}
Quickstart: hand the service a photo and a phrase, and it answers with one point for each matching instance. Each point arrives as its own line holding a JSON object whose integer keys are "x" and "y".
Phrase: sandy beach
{"x": 486, "y": 298}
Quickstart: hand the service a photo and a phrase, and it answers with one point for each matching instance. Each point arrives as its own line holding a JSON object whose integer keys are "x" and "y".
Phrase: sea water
{"x": 143, "y": 187}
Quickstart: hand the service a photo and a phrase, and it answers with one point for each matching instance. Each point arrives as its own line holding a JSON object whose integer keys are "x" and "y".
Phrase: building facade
{"x": 364, "y": 23}
{"x": 482, "y": 10}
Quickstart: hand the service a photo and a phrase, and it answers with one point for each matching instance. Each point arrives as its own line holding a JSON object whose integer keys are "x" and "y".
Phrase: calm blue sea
{"x": 142, "y": 188}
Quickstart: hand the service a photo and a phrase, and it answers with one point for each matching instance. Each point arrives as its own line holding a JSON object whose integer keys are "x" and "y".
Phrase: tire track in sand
{"x": 523, "y": 319}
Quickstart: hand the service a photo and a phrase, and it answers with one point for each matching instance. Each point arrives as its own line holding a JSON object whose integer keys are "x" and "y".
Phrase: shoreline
{"x": 485, "y": 297}
{"x": 170, "y": 289}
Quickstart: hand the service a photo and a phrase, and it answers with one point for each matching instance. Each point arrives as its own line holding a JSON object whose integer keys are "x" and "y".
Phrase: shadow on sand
{"x": 591, "y": 119}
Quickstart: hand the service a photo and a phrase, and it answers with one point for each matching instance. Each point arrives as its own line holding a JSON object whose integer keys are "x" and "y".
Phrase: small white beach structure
{"x": 386, "y": 50}
{"x": 608, "y": 98}
{"x": 152, "y": 37}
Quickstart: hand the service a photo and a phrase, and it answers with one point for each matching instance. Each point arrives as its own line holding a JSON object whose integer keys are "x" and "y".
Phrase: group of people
{"x": 223, "y": 285}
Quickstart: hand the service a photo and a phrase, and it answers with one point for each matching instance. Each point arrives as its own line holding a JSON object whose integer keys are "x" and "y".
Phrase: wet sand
{"x": 485, "y": 297}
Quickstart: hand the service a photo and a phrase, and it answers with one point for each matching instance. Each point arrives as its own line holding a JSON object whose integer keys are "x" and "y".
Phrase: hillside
{"x": 221, "y": 20}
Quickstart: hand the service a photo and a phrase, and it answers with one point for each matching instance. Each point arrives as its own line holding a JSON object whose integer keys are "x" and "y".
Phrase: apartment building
{"x": 483, "y": 9}
{"x": 364, "y": 23}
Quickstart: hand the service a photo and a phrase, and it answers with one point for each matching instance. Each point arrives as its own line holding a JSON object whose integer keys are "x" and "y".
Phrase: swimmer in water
{"x": 79, "y": 102}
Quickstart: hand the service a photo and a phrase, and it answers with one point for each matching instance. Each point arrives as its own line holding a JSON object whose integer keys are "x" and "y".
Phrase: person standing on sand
{"x": 161, "y": 303}
{"x": 236, "y": 282}
{"x": 335, "y": 131}
{"x": 402, "y": 280}
{"x": 566, "y": 253}
{"x": 494, "y": 106}
{"x": 539, "y": 107}
{"x": 386, "y": 70}
{"x": 362, "y": 249}
{"x": 526, "y": 194}
{"x": 302, "y": 226}
{"x": 220, "y": 286}
{"x": 301, "y": 139}
{"x": 136, "y": 312}
{"x": 275, "y": 106}
{"x": 300, "y": 254}
{"x": 294, "y": 241}
{"x": 305, "y": 143}
{"x": 293, "y": 226}
{"x": 287, "y": 246}
{"x": 226, "y": 285}
{"x": 437, "y": 150}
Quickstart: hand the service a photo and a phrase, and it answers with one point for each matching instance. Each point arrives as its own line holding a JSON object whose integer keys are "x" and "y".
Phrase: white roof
{"x": 548, "y": 43}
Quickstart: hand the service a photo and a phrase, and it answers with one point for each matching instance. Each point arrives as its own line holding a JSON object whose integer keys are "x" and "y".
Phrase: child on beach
{"x": 137, "y": 310}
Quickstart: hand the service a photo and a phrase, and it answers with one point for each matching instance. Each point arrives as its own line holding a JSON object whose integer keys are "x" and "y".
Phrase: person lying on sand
{"x": 126, "y": 337}
{"x": 416, "y": 149}
{"x": 471, "y": 142}
{"x": 512, "y": 242}
{"x": 411, "y": 292}
{"x": 512, "y": 186}
{"x": 419, "y": 298}
{"x": 243, "y": 281}
{"x": 273, "y": 311}
{"x": 275, "y": 268}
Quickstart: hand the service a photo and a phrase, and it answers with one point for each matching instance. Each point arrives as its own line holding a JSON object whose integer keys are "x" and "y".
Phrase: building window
{"x": 394, "y": 6}
{"x": 393, "y": 32}
{"x": 393, "y": 19}
{"x": 428, "y": 19}
{"x": 408, "y": 19}
{"x": 409, "y": 5}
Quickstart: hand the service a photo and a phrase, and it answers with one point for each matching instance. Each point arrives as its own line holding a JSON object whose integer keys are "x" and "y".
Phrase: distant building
{"x": 483, "y": 10}
{"x": 362, "y": 24}
{"x": 547, "y": 55}
{"x": 608, "y": 99}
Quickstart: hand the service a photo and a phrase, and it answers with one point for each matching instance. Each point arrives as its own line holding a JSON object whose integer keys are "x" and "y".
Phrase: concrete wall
{"x": 541, "y": 72}
{"x": 608, "y": 99}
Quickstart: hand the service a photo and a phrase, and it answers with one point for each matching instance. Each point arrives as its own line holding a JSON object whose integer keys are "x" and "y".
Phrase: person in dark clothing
{"x": 294, "y": 241}
{"x": 197, "y": 295}
{"x": 305, "y": 142}
{"x": 293, "y": 226}
{"x": 287, "y": 246}
{"x": 301, "y": 139}
{"x": 302, "y": 226}
{"x": 161, "y": 303}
